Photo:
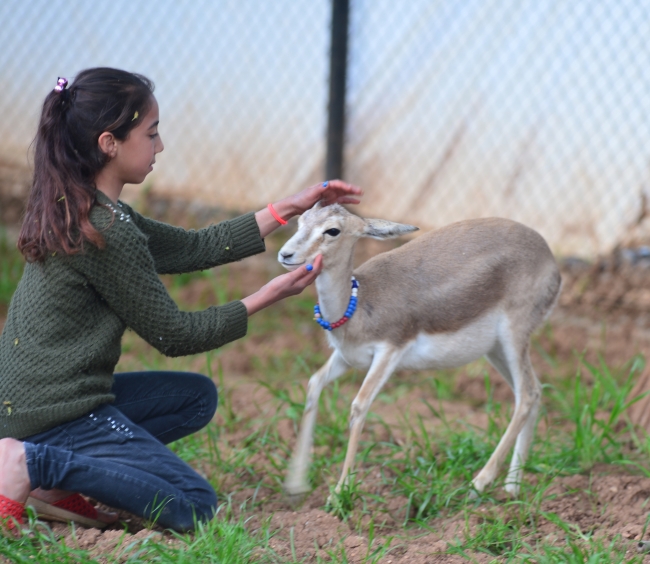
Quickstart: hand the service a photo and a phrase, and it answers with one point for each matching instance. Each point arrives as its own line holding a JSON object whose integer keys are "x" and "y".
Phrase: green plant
{"x": 596, "y": 412}
{"x": 343, "y": 502}
{"x": 11, "y": 268}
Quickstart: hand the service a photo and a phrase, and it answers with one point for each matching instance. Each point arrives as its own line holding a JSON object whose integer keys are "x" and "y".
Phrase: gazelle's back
{"x": 448, "y": 278}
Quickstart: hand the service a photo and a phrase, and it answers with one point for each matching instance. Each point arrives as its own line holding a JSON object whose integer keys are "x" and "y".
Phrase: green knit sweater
{"x": 62, "y": 337}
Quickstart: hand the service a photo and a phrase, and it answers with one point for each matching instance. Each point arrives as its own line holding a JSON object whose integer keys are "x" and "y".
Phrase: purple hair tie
{"x": 61, "y": 83}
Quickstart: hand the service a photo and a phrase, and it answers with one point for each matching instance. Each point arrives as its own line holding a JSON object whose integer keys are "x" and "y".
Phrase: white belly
{"x": 435, "y": 351}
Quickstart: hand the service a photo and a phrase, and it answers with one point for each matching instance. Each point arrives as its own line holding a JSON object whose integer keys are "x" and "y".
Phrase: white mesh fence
{"x": 532, "y": 110}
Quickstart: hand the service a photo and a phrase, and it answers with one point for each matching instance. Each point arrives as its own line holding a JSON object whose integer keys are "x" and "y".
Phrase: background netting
{"x": 537, "y": 111}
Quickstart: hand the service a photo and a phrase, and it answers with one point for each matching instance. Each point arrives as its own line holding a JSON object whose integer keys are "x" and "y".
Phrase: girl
{"x": 67, "y": 423}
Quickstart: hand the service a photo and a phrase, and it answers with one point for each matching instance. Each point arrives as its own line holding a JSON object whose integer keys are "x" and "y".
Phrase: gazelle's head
{"x": 332, "y": 232}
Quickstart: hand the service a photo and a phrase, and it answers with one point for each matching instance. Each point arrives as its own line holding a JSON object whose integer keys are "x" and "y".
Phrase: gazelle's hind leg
{"x": 513, "y": 363}
{"x": 525, "y": 438}
{"x": 497, "y": 358}
{"x": 296, "y": 484}
{"x": 522, "y": 447}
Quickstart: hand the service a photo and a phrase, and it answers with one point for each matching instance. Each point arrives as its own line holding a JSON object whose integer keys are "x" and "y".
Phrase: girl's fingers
{"x": 328, "y": 193}
{"x": 311, "y": 271}
{"x": 340, "y": 186}
{"x": 318, "y": 263}
{"x": 344, "y": 185}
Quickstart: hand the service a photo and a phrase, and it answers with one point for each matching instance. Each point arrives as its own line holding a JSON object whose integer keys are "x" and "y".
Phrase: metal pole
{"x": 336, "y": 107}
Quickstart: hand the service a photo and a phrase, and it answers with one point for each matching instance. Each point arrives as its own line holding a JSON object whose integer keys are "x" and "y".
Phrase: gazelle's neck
{"x": 334, "y": 289}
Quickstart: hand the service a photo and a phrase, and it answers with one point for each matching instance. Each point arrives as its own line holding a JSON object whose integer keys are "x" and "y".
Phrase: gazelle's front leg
{"x": 383, "y": 364}
{"x": 296, "y": 482}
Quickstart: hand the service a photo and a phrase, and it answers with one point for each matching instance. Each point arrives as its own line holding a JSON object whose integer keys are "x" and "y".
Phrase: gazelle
{"x": 471, "y": 289}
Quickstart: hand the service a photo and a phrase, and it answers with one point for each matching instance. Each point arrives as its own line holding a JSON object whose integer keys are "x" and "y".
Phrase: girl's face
{"x": 135, "y": 155}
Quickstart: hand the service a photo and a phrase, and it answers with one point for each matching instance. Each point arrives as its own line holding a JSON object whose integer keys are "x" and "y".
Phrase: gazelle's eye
{"x": 332, "y": 232}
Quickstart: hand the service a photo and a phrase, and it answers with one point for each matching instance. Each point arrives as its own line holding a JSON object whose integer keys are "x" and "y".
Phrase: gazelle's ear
{"x": 307, "y": 213}
{"x": 383, "y": 229}
{"x": 318, "y": 205}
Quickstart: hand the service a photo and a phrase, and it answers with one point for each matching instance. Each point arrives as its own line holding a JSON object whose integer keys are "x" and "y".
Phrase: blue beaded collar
{"x": 352, "y": 306}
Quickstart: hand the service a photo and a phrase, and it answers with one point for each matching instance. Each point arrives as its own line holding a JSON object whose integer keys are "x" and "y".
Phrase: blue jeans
{"x": 117, "y": 453}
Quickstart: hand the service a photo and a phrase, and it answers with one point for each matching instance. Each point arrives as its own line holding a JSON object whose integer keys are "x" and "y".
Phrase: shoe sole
{"x": 53, "y": 513}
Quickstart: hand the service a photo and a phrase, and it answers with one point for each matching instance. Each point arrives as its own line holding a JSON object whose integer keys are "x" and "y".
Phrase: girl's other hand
{"x": 330, "y": 192}
{"x": 293, "y": 283}
{"x": 283, "y": 286}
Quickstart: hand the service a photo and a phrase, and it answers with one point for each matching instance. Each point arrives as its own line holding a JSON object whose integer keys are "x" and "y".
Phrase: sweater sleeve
{"x": 124, "y": 276}
{"x": 176, "y": 250}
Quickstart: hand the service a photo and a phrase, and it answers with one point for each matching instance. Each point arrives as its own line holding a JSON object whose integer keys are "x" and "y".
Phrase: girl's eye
{"x": 332, "y": 232}
{"x": 153, "y": 136}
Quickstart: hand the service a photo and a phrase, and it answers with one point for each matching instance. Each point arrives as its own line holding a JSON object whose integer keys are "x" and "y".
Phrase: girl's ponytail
{"x": 67, "y": 157}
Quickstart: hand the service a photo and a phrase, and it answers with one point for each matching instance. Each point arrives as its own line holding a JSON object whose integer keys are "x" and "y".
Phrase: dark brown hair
{"x": 67, "y": 157}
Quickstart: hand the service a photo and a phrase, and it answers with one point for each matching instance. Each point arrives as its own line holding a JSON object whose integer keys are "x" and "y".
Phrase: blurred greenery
{"x": 11, "y": 267}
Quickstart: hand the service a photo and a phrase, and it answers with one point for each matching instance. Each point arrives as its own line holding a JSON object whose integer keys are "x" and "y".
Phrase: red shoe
{"x": 11, "y": 512}
{"x": 72, "y": 508}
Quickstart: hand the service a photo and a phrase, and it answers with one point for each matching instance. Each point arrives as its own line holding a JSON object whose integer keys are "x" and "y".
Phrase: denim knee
{"x": 200, "y": 510}
{"x": 208, "y": 392}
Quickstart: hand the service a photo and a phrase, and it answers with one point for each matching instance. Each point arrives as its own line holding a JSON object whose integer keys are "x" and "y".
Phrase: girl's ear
{"x": 107, "y": 144}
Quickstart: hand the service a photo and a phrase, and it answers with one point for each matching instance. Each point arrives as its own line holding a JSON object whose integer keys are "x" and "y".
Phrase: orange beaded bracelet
{"x": 275, "y": 215}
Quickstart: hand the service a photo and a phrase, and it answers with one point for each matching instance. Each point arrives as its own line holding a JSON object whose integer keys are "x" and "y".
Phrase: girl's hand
{"x": 283, "y": 286}
{"x": 330, "y": 192}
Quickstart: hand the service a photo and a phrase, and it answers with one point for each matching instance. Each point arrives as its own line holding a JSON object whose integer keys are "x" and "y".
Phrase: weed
{"x": 596, "y": 412}
{"x": 342, "y": 503}
{"x": 439, "y": 469}
{"x": 492, "y": 534}
{"x": 579, "y": 551}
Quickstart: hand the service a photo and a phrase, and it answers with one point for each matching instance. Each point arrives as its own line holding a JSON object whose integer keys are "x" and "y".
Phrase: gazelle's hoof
{"x": 643, "y": 546}
{"x": 512, "y": 489}
{"x": 475, "y": 490}
{"x": 332, "y": 499}
{"x": 296, "y": 493}
{"x": 331, "y": 503}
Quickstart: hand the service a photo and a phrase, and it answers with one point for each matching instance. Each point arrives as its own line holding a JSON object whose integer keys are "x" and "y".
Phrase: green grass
{"x": 596, "y": 411}
{"x": 223, "y": 540}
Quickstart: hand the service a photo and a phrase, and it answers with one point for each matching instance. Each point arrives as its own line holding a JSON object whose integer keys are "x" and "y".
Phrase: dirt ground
{"x": 604, "y": 310}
